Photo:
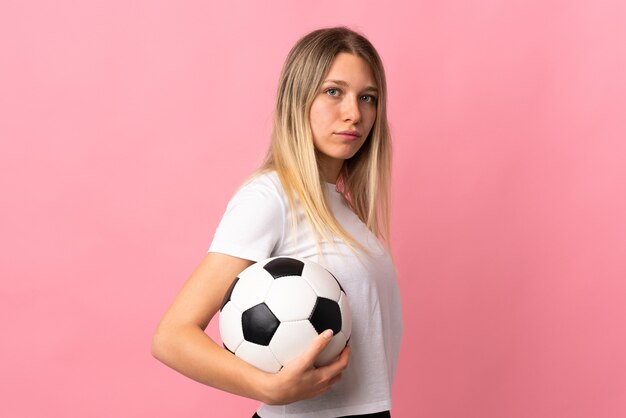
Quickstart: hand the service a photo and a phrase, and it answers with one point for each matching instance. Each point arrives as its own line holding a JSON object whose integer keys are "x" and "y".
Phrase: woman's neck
{"x": 329, "y": 168}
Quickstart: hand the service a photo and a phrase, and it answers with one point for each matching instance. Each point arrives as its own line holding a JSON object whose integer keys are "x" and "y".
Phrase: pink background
{"x": 126, "y": 126}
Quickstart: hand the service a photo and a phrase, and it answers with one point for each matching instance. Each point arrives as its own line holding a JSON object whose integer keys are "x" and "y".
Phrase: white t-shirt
{"x": 257, "y": 225}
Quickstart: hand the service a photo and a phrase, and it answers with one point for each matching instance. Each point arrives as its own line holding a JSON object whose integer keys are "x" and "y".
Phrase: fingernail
{"x": 328, "y": 334}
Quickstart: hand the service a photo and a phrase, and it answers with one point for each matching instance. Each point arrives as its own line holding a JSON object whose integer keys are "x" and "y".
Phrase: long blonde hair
{"x": 365, "y": 178}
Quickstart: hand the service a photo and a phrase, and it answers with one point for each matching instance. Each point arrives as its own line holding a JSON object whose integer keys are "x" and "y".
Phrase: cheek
{"x": 319, "y": 117}
{"x": 372, "y": 116}
{"x": 369, "y": 119}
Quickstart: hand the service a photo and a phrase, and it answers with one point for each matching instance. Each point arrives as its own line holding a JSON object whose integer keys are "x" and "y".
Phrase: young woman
{"x": 321, "y": 194}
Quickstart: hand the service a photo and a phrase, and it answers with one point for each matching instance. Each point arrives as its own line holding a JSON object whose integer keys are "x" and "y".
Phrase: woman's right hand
{"x": 181, "y": 343}
{"x": 299, "y": 379}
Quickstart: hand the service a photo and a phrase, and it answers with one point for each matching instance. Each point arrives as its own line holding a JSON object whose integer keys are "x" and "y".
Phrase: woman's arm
{"x": 180, "y": 343}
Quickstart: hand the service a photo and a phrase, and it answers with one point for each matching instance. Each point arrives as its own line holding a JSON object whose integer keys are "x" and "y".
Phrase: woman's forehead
{"x": 351, "y": 70}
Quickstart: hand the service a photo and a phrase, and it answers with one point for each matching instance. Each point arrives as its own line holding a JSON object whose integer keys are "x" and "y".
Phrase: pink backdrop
{"x": 125, "y": 127}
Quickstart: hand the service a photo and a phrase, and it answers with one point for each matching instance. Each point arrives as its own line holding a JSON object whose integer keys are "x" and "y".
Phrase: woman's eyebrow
{"x": 345, "y": 84}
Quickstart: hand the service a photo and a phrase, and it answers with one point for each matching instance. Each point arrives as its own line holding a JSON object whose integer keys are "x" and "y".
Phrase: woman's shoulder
{"x": 263, "y": 185}
{"x": 263, "y": 179}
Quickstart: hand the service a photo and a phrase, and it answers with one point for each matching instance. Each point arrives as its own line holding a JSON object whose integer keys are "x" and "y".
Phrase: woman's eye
{"x": 332, "y": 92}
{"x": 368, "y": 99}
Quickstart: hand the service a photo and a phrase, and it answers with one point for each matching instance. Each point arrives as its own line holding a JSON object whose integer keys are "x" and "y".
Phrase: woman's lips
{"x": 348, "y": 135}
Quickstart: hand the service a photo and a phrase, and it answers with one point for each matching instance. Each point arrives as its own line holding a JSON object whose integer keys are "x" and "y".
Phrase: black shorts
{"x": 384, "y": 414}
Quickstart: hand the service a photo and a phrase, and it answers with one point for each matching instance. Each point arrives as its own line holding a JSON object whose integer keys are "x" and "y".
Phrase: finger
{"x": 335, "y": 368}
{"x": 330, "y": 381}
{"x": 347, "y": 350}
{"x": 344, "y": 356}
{"x": 335, "y": 379}
{"x": 319, "y": 344}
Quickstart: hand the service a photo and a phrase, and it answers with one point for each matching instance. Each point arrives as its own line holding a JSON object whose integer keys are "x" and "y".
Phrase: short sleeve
{"x": 252, "y": 225}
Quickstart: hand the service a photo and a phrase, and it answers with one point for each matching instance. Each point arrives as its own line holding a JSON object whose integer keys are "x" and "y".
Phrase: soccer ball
{"x": 275, "y": 308}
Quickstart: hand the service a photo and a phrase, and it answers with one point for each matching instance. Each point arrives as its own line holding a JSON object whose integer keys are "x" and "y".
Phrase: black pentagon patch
{"x": 284, "y": 266}
{"x": 326, "y": 315}
{"x": 229, "y": 293}
{"x": 259, "y": 324}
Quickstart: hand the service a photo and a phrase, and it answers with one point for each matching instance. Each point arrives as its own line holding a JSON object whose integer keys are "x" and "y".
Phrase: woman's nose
{"x": 351, "y": 111}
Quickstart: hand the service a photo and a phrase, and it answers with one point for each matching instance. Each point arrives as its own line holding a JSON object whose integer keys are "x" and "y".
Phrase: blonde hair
{"x": 364, "y": 178}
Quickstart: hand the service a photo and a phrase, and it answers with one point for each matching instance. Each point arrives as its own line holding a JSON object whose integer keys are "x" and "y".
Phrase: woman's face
{"x": 343, "y": 112}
